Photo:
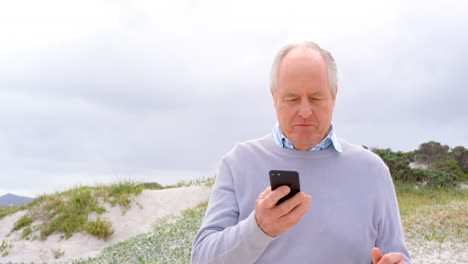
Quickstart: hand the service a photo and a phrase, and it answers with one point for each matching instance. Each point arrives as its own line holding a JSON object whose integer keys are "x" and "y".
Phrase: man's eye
{"x": 292, "y": 99}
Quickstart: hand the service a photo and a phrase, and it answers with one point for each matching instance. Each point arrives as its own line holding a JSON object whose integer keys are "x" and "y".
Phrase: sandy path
{"x": 156, "y": 205}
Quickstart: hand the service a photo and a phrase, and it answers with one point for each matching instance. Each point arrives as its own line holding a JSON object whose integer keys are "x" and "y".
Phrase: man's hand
{"x": 276, "y": 219}
{"x": 390, "y": 258}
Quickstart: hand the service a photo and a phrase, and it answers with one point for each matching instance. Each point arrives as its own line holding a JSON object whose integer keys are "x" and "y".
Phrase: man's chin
{"x": 305, "y": 137}
{"x": 305, "y": 142}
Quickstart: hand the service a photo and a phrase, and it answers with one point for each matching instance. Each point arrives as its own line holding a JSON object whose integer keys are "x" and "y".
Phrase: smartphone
{"x": 282, "y": 177}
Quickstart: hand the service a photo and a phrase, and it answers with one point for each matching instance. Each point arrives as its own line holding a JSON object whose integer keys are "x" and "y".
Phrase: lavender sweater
{"x": 353, "y": 209}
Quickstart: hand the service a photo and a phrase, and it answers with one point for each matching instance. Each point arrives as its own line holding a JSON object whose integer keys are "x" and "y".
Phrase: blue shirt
{"x": 326, "y": 143}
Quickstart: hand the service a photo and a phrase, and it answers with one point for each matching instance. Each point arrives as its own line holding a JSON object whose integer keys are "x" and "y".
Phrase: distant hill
{"x": 14, "y": 200}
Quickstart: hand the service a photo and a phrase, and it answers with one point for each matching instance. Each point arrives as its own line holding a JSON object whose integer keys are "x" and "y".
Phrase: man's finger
{"x": 298, "y": 212}
{"x": 288, "y": 205}
{"x": 376, "y": 255}
{"x": 265, "y": 193}
{"x": 276, "y": 195}
{"x": 392, "y": 258}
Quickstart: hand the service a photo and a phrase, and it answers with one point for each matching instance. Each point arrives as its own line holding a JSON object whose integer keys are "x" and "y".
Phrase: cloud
{"x": 147, "y": 88}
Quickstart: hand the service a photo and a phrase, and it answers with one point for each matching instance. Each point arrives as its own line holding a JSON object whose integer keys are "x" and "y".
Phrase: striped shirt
{"x": 326, "y": 143}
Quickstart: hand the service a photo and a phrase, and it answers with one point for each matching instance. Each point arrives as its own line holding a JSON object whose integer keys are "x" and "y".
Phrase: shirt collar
{"x": 330, "y": 141}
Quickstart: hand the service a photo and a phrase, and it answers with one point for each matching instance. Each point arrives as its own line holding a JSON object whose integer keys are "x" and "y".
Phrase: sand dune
{"x": 156, "y": 204}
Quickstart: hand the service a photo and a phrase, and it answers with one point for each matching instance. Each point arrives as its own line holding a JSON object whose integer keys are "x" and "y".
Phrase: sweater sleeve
{"x": 390, "y": 237}
{"x": 223, "y": 237}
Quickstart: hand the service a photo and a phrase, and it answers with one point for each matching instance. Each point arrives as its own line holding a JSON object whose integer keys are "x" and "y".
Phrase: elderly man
{"x": 347, "y": 211}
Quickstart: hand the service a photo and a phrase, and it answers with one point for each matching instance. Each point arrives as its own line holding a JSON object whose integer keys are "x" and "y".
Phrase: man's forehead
{"x": 302, "y": 73}
{"x": 304, "y": 61}
{"x": 306, "y": 53}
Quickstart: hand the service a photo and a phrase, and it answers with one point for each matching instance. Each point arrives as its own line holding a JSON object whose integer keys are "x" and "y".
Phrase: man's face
{"x": 304, "y": 102}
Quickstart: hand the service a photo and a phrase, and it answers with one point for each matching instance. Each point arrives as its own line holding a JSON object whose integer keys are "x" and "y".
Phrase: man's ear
{"x": 334, "y": 99}
{"x": 273, "y": 95}
{"x": 336, "y": 93}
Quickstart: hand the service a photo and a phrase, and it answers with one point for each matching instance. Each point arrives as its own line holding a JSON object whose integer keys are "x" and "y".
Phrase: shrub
{"x": 411, "y": 155}
{"x": 431, "y": 151}
{"x": 435, "y": 178}
{"x": 99, "y": 228}
{"x": 448, "y": 165}
{"x": 397, "y": 162}
{"x": 460, "y": 154}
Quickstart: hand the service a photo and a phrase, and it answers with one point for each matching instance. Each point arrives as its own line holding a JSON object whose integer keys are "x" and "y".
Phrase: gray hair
{"x": 331, "y": 65}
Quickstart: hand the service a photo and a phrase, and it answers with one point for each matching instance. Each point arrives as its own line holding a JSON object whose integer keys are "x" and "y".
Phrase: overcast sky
{"x": 98, "y": 91}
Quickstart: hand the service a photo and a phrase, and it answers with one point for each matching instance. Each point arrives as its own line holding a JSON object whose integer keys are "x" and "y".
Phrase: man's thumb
{"x": 376, "y": 255}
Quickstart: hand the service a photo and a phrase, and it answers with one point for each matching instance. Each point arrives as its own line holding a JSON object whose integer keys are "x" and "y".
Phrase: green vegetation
{"x": 4, "y": 247}
{"x": 23, "y": 221}
{"x": 26, "y": 232}
{"x": 435, "y": 178}
{"x": 398, "y": 163}
{"x": 442, "y": 167}
{"x": 434, "y": 214}
{"x": 169, "y": 243}
{"x": 207, "y": 181}
{"x": 7, "y": 210}
{"x": 150, "y": 186}
{"x": 411, "y": 196}
{"x": 431, "y": 151}
{"x": 432, "y": 208}
{"x": 100, "y": 228}
{"x": 120, "y": 193}
{"x": 67, "y": 212}
{"x": 460, "y": 154}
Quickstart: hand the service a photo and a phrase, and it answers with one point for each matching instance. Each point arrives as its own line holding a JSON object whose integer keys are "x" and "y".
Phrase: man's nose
{"x": 305, "y": 109}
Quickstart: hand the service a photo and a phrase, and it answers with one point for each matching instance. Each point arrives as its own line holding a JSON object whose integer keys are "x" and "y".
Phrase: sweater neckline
{"x": 270, "y": 145}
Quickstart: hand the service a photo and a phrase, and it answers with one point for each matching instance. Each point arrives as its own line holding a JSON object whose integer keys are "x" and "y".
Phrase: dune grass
{"x": 67, "y": 212}
{"x": 435, "y": 222}
{"x": 8, "y": 210}
{"x": 207, "y": 181}
{"x": 101, "y": 228}
{"x": 23, "y": 221}
{"x": 4, "y": 247}
{"x": 412, "y": 198}
{"x": 433, "y": 214}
